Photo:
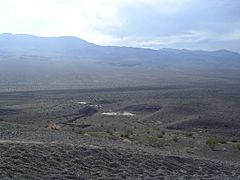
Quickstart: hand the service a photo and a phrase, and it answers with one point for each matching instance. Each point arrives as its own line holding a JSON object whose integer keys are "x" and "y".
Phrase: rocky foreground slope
{"x": 121, "y": 134}
{"x": 36, "y": 160}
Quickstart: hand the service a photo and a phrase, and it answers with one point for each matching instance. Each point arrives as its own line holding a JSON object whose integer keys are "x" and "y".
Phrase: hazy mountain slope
{"x": 31, "y": 62}
{"x": 41, "y": 45}
{"x": 72, "y": 46}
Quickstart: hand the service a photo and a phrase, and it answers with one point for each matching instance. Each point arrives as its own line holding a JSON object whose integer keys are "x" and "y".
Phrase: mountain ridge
{"x": 72, "y": 63}
{"x": 84, "y": 42}
{"x": 21, "y": 45}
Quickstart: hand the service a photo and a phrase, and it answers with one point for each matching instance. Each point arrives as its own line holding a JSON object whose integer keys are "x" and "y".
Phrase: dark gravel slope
{"x": 23, "y": 160}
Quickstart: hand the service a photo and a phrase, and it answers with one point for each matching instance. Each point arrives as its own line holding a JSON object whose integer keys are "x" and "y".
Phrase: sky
{"x": 182, "y": 24}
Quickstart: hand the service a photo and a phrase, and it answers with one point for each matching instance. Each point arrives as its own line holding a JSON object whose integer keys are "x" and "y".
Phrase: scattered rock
{"x": 126, "y": 141}
{"x": 53, "y": 126}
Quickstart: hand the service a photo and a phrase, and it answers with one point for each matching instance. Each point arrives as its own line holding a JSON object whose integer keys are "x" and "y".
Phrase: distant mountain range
{"x": 69, "y": 46}
{"x": 31, "y": 63}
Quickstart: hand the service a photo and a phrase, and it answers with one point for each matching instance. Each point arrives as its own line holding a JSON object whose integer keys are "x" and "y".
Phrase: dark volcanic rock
{"x": 8, "y": 111}
{"x": 143, "y": 108}
{"x": 87, "y": 111}
{"x": 59, "y": 161}
{"x": 204, "y": 124}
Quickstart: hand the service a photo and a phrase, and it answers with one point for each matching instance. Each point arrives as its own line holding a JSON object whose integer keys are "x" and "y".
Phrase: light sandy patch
{"x": 118, "y": 114}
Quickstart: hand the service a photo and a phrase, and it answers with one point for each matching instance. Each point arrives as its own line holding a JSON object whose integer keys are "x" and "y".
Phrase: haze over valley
{"x": 40, "y": 63}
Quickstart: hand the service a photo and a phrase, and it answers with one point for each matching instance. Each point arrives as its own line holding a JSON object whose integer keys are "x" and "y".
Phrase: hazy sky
{"x": 193, "y": 24}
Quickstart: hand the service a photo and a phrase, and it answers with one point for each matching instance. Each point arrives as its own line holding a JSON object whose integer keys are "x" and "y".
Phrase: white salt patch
{"x": 127, "y": 114}
{"x": 82, "y": 102}
{"x": 118, "y": 114}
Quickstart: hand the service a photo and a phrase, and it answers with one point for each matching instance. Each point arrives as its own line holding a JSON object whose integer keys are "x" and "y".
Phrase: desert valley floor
{"x": 165, "y": 132}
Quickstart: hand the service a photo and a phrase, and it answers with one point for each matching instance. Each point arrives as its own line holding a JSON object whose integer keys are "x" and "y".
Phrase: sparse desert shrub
{"x": 222, "y": 141}
{"x": 81, "y": 131}
{"x": 154, "y": 141}
{"x": 236, "y": 146}
{"x": 175, "y": 138}
{"x": 212, "y": 143}
{"x": 189, "y": 134}
{"x": 234, "y": 140}
{"x": 160, "y": 135}
{"x": 94, "y": 134}
{"x": 53, "y": 126}
{"x": 127, "y": 133}
{"x": 109, "y": 132}
{"x": 163, "y": 132}
{"x": 113, "y": 137}
{"x": 189, "y": 150}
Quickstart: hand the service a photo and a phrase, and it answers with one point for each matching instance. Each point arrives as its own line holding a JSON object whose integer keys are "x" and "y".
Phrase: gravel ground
{"x": 30, "y": 160}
